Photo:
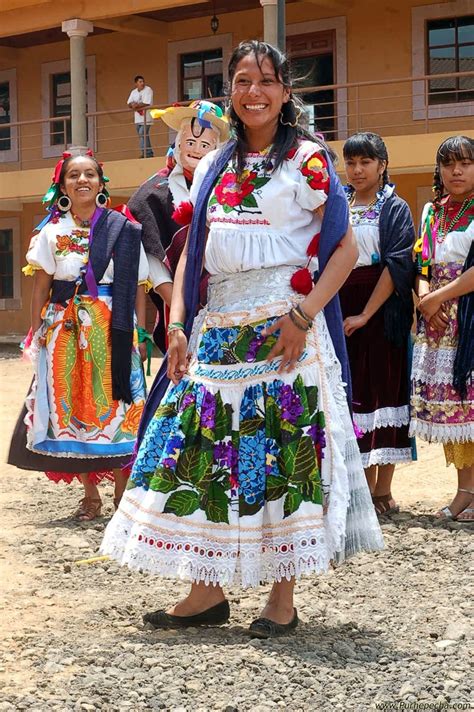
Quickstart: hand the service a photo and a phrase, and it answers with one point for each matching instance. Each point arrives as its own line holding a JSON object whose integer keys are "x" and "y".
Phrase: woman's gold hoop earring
{"x": 294, "y": 123}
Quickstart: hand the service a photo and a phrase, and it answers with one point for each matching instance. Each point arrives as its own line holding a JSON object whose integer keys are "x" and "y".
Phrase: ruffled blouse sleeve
{"x": 313, "y": 176}
{"x": 40, "y": 253}
{"x": 143, "y": 267}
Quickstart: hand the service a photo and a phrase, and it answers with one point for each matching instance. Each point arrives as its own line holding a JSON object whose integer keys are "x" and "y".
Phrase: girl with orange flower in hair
{"x": 81, "y": 414}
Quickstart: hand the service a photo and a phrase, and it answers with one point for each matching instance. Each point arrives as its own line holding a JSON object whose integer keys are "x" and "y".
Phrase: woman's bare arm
{"x": 41, "y": 287}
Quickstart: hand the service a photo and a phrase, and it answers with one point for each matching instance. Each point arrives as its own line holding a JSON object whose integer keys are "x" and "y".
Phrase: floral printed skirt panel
{"x": 71, "y": 423}
{"x": 438, "y": 414}
{"x": 243, "y": 473}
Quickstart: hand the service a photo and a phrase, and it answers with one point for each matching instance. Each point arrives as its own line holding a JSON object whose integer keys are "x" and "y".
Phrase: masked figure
{"x": 201, "y": 128}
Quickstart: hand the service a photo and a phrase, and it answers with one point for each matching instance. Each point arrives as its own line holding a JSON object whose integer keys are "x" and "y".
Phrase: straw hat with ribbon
{"x": 209, "y": 116}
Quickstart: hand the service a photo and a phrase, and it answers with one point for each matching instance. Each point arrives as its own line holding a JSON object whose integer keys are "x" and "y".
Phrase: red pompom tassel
{"x": 313, "y": 247}
{"x": 183, "y": 213}
{"x": 302, "y": 281}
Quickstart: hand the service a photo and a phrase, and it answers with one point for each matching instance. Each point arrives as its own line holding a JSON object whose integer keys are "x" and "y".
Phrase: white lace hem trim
{"x": 433, "y": 366}
{"x": 442, "y": 432}
{"x": 382, "y": 418}
{"x": 253, "y": 565}
{"x": 386, "y": 456}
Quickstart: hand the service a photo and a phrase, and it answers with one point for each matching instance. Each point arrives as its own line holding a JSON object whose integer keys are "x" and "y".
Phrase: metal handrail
{"x": 353, "y": 115}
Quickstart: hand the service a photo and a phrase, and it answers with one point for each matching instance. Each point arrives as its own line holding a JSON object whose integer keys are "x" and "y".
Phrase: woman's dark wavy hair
{"x": 454, "y": 148}
{"x": 367, "y": 145}
{"x": 286, "y": 136}
{"x": 68, "y": 160}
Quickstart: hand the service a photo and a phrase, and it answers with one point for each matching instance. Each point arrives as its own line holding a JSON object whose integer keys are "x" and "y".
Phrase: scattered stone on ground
{"x": 395, "y": 626}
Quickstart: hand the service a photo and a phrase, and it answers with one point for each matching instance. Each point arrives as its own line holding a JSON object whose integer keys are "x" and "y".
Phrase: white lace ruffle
{"x": 442, "y": 432}
{"x": 386, "y": 456}
{"x": 433, "y": 366}
{"x": 251, "y": 550}
{"x": 382, "y": 418}
{"x": 274, "y": 558}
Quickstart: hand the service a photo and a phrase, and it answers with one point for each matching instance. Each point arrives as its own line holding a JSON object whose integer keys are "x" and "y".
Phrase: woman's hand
{"x": 429, "y": 305}
{"x": 352, "y": 323}
{"x": 439, "y": 321}
{"x": 177, "y": 356}
{"x": 290, "y": 344}
{"x": 142, "y": 351}
{"x": 433, "y": 312}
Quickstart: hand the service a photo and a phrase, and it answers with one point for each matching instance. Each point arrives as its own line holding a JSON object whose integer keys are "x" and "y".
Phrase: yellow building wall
{"x": 378, "y": 46}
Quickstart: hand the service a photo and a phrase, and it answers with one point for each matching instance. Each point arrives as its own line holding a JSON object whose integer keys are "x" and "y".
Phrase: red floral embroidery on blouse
{"x": 315, "y": 170}
{"x": 230, "y": 192}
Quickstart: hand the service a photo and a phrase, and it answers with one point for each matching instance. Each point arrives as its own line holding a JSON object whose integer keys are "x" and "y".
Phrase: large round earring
{"x": 64, "y": 203}
{"x": 101, "y": 200}
{"x": 294, "y": 123}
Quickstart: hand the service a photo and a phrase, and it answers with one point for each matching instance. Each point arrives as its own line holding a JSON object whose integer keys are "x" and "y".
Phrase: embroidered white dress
{"x": 71, "y": 415}
{"x": 244, "y": 474}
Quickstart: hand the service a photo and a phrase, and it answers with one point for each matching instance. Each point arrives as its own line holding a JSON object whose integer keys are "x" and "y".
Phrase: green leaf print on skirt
{"x": 191, "y": 453}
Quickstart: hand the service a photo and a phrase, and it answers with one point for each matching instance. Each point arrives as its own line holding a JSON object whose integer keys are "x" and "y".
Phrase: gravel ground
{"x": 392, "y": 627}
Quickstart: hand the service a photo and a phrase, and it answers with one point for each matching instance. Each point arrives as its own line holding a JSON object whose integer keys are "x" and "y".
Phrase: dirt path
{"x": 376, "y": 630}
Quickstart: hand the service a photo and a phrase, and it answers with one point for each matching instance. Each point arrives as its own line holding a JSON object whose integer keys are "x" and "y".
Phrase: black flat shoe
{"x": 265, "y": 628}
{"x": 217, "y": 615}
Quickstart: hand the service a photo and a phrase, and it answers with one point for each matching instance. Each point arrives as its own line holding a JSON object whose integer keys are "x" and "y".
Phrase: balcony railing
{"x": 391, "y": 107}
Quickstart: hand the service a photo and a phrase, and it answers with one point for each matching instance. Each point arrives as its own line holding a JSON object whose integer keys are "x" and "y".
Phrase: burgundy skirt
{"x": 380, "y": 381}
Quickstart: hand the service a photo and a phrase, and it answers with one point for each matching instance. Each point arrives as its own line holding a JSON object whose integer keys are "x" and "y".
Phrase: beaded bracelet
{"x": 296, "y": 321}
{"x": 175, "y": 326}
{"x": 301, "y": 320}
{"x": 299, "y": 310}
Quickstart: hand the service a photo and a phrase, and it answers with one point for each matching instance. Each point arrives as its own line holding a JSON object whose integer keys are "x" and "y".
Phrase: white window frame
{"x": 49, "y": 68}
{"x": 420, "y": 15}
{"x": 15, "y": 301}
{"x": 338, "y": 25}
{"x": 11, "y": 156}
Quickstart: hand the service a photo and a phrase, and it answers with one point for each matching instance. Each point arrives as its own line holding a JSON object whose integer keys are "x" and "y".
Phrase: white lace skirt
{"x": 246, "y": 475}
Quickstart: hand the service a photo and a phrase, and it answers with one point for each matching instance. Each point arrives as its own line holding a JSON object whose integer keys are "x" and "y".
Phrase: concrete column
{"x": 77, "y": 31}
{"x": 270, "y": 21}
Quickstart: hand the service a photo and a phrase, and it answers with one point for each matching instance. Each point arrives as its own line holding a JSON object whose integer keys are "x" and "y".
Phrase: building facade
{"x": 404, "y": 70}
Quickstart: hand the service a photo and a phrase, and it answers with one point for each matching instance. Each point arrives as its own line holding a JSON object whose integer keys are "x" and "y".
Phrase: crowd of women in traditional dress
{"x": 295, "y": 357}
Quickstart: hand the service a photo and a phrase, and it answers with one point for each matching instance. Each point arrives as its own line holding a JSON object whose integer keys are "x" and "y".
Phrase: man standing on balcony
{"x": 139, "y": 100}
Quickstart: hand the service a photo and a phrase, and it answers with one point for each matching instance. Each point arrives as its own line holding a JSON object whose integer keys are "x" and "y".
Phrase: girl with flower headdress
{"x": 443, "y": 358}
{"x": 81, "y": 414}
{"x": 248, "y": 469}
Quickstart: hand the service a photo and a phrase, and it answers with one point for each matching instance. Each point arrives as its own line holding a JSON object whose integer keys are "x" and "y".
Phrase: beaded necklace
{"x": 370, "y": 211}
{"x": 444, "y": 227}
{"x": 79, "y": 222}
{"x": 367, "y": 207}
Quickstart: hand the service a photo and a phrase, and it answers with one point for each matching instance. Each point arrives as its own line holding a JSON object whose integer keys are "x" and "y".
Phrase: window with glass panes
{"x": 312, "y": 61}
{"x": 60, "y": 106}
{"x": 6, "y": 264}
{"x": 450, "y": 48}
{"x": 5, "y": 118}
{"x": 201, "y": 75}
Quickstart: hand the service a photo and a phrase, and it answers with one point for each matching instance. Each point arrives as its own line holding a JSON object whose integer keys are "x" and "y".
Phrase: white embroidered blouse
{"x": 267, "y": 219}
{"x": 61, "y": 248}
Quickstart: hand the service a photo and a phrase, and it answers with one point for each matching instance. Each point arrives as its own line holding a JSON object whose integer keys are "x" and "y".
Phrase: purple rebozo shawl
{"x": 334, "y": 227}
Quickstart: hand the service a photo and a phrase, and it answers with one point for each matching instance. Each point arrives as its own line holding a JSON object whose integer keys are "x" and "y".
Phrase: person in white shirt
{"x": 139, "y": 100}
